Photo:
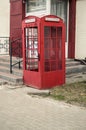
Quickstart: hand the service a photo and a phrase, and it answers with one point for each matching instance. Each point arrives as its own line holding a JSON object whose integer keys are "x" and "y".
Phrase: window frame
{"x": 36, "y": 5}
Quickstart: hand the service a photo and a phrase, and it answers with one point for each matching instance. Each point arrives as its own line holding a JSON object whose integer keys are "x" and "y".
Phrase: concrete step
{"x": 76, "y": 77}
{"x": 75, "y": 69}
{"x": 16, "y": 76}
{"x": 72, "y": 68}
{"x": 11, "y": 78}
{"x": 2, "y": 81}
{"x": 16, "y": 71}
{"x": 72, "y": 63}
{"x": 7, "y": 64}
{"x": 6, "y": 58}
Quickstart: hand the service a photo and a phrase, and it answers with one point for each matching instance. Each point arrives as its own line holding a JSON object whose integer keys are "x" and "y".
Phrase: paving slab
{"x": 20, "y": 111}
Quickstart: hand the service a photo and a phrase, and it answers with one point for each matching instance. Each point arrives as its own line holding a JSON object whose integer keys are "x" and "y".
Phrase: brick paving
{"x": 20, "y": 111}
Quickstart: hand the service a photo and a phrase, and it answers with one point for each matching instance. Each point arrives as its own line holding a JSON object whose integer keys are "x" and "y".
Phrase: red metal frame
{"x": 44, "y": 37}
{"x": 72, "y": 28}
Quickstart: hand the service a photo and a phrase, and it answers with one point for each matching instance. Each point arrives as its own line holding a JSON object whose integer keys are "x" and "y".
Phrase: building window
{"x": 36, "y": 5}
{"x": 59, "y": 8}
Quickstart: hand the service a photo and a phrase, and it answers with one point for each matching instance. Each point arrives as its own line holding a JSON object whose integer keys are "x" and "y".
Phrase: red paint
{"x": 72, "y": 25}
{"x": 17, "y": 14}
{"x": 43, "y": 52}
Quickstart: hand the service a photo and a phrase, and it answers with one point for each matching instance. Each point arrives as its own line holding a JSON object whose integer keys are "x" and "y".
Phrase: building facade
{"x": 71, "y": 11}
{"x": 4, "y": 27}
{"x": 80, "y": 41}
{"x": 4, "y": 18}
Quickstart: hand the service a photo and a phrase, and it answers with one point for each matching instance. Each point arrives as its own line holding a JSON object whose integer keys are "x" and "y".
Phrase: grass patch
{"x": 74, "y": 93}
{"x": 58, "y": 97}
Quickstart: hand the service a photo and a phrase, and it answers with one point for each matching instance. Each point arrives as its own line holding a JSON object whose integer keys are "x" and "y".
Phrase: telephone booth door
{"x": 54, "y": 55}
{"x": 31, "y": 52}
{"x": 43, "y": 51}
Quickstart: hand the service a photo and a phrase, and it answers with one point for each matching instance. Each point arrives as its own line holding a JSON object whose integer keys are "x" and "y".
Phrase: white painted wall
{"x": 80, "y": 45}
{"x": 4, "y": 17}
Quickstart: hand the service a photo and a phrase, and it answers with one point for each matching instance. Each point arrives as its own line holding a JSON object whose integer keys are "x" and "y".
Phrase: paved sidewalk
{"x": 20, "y": 111}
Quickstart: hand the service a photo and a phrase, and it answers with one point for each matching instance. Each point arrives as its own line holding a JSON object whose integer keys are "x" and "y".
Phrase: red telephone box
{"x": 43, "y": 51}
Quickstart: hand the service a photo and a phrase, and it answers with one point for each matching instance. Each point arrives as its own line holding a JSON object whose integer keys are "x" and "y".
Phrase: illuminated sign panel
{"x": 52, "y": 19}
{"x": 30, "y": 20}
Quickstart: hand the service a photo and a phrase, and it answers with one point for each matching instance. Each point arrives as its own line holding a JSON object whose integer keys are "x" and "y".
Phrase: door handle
{"x": 38, "y": 56}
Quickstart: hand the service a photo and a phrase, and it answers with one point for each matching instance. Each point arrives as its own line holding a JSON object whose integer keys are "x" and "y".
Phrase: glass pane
{"x": 47, "y": 43}
{"x": 59, "y": 42}
{"x": 47, "y": 31}
{"x": 53, "y": 41}
{"x": 47, "y": 54}
{"x": 53, "y": 31}
{"x": 59, "y": 8}
{"x": 53, "y": 48}
{"x": 32, "y": 49}
{"x": 53, "y": 65}
{"x": 47, "y": 65}
{"x": 35, "y": 5}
